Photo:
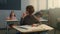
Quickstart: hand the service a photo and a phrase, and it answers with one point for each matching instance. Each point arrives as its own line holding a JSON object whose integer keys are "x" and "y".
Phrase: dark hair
{"x": 11, "y": 14}
{"x": 38, "y": 14}
{"x": 30, "y": 9}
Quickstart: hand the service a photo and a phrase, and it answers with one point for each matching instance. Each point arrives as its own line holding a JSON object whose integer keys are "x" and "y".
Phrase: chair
{"x": 57, "y": 25}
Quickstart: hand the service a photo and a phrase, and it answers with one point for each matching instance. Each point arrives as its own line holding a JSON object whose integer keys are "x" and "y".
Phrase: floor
{"x": 14, "y": 32}
{"x": 10, "y": 32}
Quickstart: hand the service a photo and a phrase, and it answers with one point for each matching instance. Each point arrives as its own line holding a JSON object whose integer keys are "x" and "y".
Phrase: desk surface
{"x": 41, "y": 19}
{"x": 12, "y": 20}
{"x": 27, "y": 28}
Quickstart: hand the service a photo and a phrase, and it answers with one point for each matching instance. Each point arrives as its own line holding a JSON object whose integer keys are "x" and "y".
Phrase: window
{"x": 10, "y": 4}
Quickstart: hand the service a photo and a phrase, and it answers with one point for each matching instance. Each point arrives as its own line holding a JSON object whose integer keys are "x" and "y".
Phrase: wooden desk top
{"x": 27, "y": 28}
{"x": 41, "y": 19}
{"x": 12, "y": 20}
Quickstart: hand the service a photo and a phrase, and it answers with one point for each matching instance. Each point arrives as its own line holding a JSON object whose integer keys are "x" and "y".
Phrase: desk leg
{"x": 7, "y": 28}
{"x": 54, "y": 31}
{"x": 23, "y": 33}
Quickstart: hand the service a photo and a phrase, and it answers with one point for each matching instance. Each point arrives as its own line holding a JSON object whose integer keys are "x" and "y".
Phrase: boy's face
{"x": 27, "y": 12}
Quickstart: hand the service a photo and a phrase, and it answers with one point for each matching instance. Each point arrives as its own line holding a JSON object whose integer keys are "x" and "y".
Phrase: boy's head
{"x": 29, "y": 9}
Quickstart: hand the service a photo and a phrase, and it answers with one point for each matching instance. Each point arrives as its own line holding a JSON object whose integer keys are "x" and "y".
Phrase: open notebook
{"x": 39, "y": 27}
{"x": 24, "y": 27}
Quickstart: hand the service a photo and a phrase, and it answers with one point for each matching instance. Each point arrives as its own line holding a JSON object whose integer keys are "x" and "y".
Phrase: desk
{"x": 9, "y": 22}
{"x": 41, "y": 19}
{"x": 41, "y": 27}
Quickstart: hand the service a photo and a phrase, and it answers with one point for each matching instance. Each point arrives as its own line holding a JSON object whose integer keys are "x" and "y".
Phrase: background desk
{"x": 10, "y": 22}
{"x": 43, "y": 21}
{"x": 41, "y": 27}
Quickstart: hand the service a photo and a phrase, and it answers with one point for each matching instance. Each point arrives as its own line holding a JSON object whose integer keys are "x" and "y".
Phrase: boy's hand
{"x": 24, "y": 15}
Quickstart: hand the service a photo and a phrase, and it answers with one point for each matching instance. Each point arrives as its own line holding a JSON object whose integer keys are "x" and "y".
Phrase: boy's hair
{"x": 30, "y": 9}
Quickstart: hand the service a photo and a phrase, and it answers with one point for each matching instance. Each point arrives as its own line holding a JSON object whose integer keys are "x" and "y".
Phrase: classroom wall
{"x": 53, "y": 15}
{"x": 5, "y": 13}
{"x": 54, "y": 11}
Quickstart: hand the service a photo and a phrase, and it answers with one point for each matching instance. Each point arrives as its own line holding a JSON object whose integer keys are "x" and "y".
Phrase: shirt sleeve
{"x": 21, "y": 21}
